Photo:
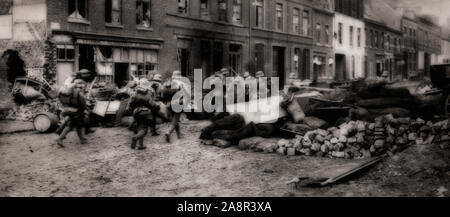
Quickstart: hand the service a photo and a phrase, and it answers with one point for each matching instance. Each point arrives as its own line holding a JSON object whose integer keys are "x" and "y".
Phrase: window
{"x": 351, "y": 36}
{"x": 259, "y": 4}
{"x": 327, "y": 34}
{"x": 204, "y": 8}
{"x": 223, "y": 10}
{"x": 143, "y": 13}
{"x": 78, "y": 9}
{"x": 5, "y": 7}
{"x": 65, "y": 52}
{"x": 296, "y": 21}
{"x": 143, "y": 62}
{"x": 319, "y": 67}
{"x": 359, "y": 37}
{"x": 306, "y": 22}
{"x": 318, "y": 32}
{"x": 367, "y": 37}
{"x": 113, "y": 11}
{"x": 218, "y": 54}
{"x": 279, "y": 17}
{"x": 237, "y": 7}
{"x": 388, "y": 42}
{"x": 340, "y": 26}
{"x": 183, "y": 6}
{"x": 234, "y": 56}
{"x": 376, "y": 40}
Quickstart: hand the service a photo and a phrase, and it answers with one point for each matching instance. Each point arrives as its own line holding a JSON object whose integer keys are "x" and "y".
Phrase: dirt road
{"x": 31, "y": 165}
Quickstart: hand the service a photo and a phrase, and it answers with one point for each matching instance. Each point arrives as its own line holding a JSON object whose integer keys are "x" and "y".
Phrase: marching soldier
{"x": 171, "y": 88}
{"x": 143, "y": 108}
{"x": 74, "y": 103}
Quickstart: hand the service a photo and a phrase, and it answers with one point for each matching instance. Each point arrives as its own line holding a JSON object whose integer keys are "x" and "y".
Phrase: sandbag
{"x": 360, "y": 114}
{"x": 384, "y": 102}
{"x": 295, "y": 111}
{"x": 298, "y": 128}
{"x": 396, "y": 112}
{"x": 221, "y": 143}
{"x": 250, "y": 143}
{"x": 315, "y": 123}
{"x": 267, "y": 146}
{"x": 232, "y": 122}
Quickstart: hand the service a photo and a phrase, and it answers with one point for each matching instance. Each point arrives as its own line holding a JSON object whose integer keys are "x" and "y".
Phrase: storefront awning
{"x": 118, "y": 44}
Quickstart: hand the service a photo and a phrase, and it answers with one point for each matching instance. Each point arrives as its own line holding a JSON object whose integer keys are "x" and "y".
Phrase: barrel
{"x": 46, "y": 122}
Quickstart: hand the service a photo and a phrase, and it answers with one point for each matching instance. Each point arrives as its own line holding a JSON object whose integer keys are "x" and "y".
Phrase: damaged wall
{"x": 28, "y": 31}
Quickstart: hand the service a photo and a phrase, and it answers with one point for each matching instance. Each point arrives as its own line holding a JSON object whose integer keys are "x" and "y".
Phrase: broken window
{"x": 5, "y": 7}
{"x": 259, "y": 4}
{"x": 143, "y": 62}
{"x": 237, "y": 7}
{"x": 78, "y": 9}
{"x": 65, "y": 52}
{"x": 183, "y": 6}
{"x": 113, "y": 11}
{"x": 204, "y": 8}
{"x": 143, "y": 13}
{"x": 223, "y": 10}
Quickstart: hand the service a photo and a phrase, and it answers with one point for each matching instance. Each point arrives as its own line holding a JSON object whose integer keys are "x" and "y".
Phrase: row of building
{"x": 319, "y": 40}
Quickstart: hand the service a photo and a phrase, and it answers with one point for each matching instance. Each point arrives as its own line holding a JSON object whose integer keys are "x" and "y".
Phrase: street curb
{"x": 17, "y": 131}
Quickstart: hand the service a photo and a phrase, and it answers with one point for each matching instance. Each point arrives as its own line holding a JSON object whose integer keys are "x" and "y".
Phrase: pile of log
{"x": 358, "y": 139}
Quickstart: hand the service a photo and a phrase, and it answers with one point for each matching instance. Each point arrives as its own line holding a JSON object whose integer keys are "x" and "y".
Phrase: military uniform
{"x": 74, "y": 103}
{"x": 143, "y": 108}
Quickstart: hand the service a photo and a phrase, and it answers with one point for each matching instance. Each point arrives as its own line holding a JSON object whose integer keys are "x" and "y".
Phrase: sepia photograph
{"x": 225, "y": 98}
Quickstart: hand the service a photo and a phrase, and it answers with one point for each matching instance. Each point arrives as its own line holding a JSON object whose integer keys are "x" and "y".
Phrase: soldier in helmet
{"x": 74, "y": 103}
{"x": 143, "y": 107}
{"x": 173, "y": 86}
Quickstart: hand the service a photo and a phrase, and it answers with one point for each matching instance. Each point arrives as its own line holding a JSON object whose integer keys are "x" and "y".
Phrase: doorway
{"x": 184, "y": 56}
{"x": 121, "y": 74}
{"x": 340, "y": 67}
{"x": 306, "y": 75}
{"x": 86, "y": 58}
{"x": 278, "y": 64}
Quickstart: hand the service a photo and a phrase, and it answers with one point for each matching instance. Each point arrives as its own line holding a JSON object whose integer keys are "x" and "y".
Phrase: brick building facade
{"x": 383, "y": 40}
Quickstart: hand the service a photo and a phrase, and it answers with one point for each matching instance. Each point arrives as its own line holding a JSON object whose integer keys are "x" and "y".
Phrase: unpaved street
{"x": 31, "y": 165}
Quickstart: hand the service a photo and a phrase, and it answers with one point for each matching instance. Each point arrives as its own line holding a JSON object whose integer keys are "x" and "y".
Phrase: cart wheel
{"x": 447, "y": 106}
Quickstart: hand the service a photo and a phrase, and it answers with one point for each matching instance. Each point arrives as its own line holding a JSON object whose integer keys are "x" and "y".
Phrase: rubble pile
{"x": 29, "y": 111}
{"x": 358, "y": 139}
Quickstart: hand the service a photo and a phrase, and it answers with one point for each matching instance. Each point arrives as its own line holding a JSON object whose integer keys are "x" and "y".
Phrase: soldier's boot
{"x": 178, "y": 131}
{"x": 89, "y": 131}
{"x": 80, "y": 132}
{"x": 133, "y": 143}
{"x": 153, "y": 128}
{"x": 141, "y": 144}
{"x": 167, "y": 137}
{"x": 62, "y": 136}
